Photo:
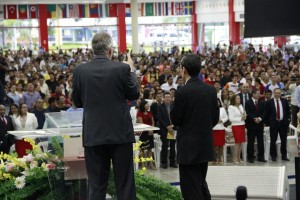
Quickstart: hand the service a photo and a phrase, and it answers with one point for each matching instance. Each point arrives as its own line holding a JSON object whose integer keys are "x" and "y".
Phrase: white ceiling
{"x": 12, "y": 2}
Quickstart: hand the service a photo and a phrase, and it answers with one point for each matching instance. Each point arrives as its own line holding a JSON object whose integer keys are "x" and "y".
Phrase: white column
{"x": 134, "y": 26}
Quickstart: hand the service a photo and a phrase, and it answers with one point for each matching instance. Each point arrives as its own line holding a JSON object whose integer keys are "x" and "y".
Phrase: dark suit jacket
{"x": 102, "y": 87}
{"x": 162, "y": 79}
{"x": 252, "y": 113}
{"x": 163, "y": 119}
{"x": 6, "y": 140}
{"x": 195, "y": 113}
{"x": 242, "y": 97}
{"x": 270, "y": 112}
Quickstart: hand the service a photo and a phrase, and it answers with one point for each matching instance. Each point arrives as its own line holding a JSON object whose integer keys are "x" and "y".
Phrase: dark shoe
{"x": 174, "y": 165}
{"x": 273, "y": 159}
{"x": 165, "y": 166}
{"x": 285, "y": 159}
{"x": 261, "y": 160}
{"x": 251, "y": 160}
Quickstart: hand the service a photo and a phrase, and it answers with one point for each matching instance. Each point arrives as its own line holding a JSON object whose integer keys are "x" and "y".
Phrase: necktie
{"x": 3, "y": 121}
{"x": 256, "y": 106}
{"x": 278, "y": 110}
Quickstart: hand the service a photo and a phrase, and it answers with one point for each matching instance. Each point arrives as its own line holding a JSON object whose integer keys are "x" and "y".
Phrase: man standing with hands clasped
{"x": 166, "y": 132}
{"x": 255, "y": 126}
{"x": 102, "y": 87}
{"x": 195, "y": 113}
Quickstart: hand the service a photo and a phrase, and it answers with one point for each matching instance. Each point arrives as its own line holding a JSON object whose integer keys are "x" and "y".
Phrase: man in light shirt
{"x": 291, "y": 86}
{"x": 168, "y": 85}
{"x": 44, "y": 86}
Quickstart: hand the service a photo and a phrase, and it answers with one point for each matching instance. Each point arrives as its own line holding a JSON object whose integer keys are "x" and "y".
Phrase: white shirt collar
{"x": 187, "y": 80}
{"x": 276, "y": 99}
{"x": 254, "y": 100}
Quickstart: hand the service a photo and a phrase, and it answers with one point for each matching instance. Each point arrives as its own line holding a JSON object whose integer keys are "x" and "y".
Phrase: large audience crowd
{"x": 43, "y": 83}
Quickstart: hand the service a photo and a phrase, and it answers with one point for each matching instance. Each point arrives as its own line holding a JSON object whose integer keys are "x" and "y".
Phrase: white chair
{"x": 293, "y": 134}
{"x": 268, "y": 144}
{"x": 157, "y": 149}
{"x": 136, "y": 153}
{"x": 43, "y": 146}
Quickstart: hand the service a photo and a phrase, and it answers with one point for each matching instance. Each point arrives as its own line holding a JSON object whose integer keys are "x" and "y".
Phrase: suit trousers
{"x": 281, "y": 128}
{"x": 295, "y": 110}
{"x": 193, "y": 181}
{"x": 98, "y": 162}
{"x": 164, "y": 150}
{"x": 257, "y": 133}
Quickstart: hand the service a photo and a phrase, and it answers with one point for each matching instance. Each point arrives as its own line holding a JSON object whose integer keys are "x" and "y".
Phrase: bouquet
{"x": 35, "y": 176}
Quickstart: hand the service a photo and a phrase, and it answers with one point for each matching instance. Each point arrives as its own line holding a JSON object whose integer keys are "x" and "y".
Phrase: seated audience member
{"x": 39, "y": 113}
{"x": 145, "y": 117}
{"x": 30, "y": 97}
{"x": 53, "y": 105}
{"x": 168, "y": 85}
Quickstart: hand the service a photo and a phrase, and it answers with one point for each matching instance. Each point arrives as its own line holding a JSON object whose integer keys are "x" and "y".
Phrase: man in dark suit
{"x": 3, "y": 69}
{"x": 154, "y": 107}
{"x": 102, "y": 87}
{"x": 195, "y": 113}
{"x": 166, "y": 126}
{"x": 277, "y": 113}
{"x": 6, "y": 124}
{"x": 245, "y": 95}
{"x": 255, "y": 126}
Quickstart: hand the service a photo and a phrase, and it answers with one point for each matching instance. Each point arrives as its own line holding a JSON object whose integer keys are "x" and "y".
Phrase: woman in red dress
{"x": 219, "y": 134}
{"x": 144, "y": 116}
{"x": 237, "y": 116}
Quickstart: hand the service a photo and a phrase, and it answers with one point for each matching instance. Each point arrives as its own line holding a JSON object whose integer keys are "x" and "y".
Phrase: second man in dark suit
{"x": 166, "y": 129}
{"x": 245, "y": 95}
{"x": 195, "y": 113}
{"x": 255, "y": 126}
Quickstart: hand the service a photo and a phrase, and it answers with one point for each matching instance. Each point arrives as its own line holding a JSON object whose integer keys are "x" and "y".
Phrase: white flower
{"x": 9, "y": 167}
{"x": 29, "y": 157}
{"x": 22, "y": 160}
{"x": 20, "y": 182}
{"x": 33, "y": 164}
{"x": 25, "y": 173}
{"x": 45, "y": 167}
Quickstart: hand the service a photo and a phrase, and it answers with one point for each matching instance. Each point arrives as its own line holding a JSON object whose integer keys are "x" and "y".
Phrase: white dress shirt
{"x": 31, "y": 123}
{"x": 166, "y": 87}
{"x": 45, "y": 89}
{"x": 223, "y": 117}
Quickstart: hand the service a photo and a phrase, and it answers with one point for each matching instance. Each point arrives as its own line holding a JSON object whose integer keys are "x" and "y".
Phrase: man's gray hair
{"x": 101, "y": 43}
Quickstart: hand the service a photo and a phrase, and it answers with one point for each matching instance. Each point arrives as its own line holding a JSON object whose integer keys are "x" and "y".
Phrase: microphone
{"x": 241, "y": 193}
